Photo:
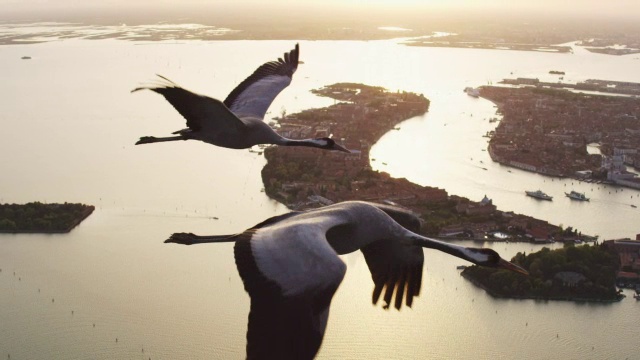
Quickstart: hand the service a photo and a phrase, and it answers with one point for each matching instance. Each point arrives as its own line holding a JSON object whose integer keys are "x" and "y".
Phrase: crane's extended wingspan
{"x": 201, "y": 112}
{"x": 255, "y": 94}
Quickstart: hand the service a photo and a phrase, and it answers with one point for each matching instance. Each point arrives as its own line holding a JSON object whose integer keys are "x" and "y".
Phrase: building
{"x": 629, "y": 252}
{"x": 485, "y": 206}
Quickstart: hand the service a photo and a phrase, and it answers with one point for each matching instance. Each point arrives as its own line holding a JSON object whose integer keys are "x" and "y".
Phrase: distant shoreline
{"x": 546, "y": 48}
{"x": 414, "y": 34}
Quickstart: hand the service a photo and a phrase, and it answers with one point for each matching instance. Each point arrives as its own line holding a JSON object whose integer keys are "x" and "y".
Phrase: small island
{"x": 575, "y": 273}
{"x": 36, "y": 217}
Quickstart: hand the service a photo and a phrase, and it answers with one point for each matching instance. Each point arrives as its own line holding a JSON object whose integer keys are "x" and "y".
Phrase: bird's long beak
{"x": 341, "y": 148}
{"x": 504, "y": 264}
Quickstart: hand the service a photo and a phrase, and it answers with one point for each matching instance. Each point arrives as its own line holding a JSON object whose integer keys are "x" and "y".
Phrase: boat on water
{"x": 539, "y": 194}
{"x": 472, "y": 92}
{"x": 577, "y": 196}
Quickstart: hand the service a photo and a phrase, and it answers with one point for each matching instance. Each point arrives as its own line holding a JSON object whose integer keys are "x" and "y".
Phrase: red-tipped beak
{"x": 504, "y": 264}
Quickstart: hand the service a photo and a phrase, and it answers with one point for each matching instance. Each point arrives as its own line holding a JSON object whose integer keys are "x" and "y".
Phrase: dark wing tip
{"x": 281, "y": 67}
{"x": 396, "y": 272}
{"x": 166, "y": 83}
{"x": 294, "y": 56}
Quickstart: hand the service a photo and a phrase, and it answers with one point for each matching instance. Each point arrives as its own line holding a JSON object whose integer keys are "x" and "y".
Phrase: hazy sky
{"x": 607, "y": 9}
{"x": 608, "y": 6}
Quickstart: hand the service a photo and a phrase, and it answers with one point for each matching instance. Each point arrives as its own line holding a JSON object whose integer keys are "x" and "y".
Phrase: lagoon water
{"x": 69, "y": 124}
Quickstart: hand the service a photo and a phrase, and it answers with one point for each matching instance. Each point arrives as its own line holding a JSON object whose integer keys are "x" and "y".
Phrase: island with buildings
{"x": 546, "y": 129}
{"x": 36, "y": 217}
{"x": 305, "y": 178}
{"x": 576, "y": 273}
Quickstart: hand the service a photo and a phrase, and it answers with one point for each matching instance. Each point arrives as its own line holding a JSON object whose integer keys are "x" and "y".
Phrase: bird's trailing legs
{"x": 190, "y": 239}
{"x": 153, "y": 139}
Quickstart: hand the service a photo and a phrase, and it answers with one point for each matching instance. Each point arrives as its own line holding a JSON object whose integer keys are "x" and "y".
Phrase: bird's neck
{"x": 316, "y": 143}
{"x": 451, "y": 249}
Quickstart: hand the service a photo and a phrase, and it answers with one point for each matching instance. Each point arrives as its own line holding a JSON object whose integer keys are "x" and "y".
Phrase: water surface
{"x": 70, "y": 124}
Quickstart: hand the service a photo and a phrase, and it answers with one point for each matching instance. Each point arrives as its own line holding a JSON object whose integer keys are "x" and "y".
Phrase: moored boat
{"x": 577, "y": 196}
{"x": 539, "y": 194}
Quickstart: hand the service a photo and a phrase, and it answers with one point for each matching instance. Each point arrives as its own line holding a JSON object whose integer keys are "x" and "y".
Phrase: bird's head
{"x": 330, "y": 144}
{"x": 490, "y": 258}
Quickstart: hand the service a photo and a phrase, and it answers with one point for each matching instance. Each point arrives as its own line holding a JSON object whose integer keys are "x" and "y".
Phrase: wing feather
{"x": 282, "y": 324}
{"x": 201, "y": 112}
{"x": 253, "y": 96}
{"x": 295, "y": 253}
{"x": 395, "y": 268}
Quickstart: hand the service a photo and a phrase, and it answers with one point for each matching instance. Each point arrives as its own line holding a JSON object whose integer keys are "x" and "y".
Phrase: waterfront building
{"x": 629, "y": 252}
{"x": 485, "y": 206}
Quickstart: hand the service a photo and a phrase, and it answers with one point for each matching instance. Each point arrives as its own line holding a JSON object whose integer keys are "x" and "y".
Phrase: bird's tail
{"x": 190, "y": 239}
{"x": 153, "y": 139}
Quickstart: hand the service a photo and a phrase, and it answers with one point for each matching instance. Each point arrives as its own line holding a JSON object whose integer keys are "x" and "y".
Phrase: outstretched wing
{"x": 395, "y": 267}
{"x": 201, "y": 112}
{"x": 291, "y": 274}
{"x": 255, "y": 94}
{"x": 292, "y": 251}
{"x": 407, "y": 218}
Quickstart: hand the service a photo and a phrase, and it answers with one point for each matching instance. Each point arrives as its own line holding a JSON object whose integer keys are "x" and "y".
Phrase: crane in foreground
{"x": 290, "y": 267}
{"x": 237, "y": 122}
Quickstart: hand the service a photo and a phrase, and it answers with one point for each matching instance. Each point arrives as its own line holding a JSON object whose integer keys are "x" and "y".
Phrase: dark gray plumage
{"x": 290, "y": 267}
{"x": 236, "y": 123}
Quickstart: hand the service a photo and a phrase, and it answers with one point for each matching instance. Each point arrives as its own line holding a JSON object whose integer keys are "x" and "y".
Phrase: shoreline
{"x": 555, "y": 146}
{"x": 306, "y": 178}
{"x": 145, "y": 31}
{"x": 536, "y": 298}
